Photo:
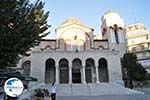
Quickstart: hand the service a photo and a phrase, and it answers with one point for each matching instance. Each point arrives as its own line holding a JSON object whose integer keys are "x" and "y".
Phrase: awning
{"x": 145, "y": 63}
{"x": 17, "y": 75}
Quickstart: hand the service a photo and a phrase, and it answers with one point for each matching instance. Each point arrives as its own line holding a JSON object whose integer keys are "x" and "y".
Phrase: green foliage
{"x": 22, "y": 25}
{"x": 39, "y": 93}
{"x": 135, "y": 70}
{"x": 46, "y": 92}
{"x": 142, "y": 84}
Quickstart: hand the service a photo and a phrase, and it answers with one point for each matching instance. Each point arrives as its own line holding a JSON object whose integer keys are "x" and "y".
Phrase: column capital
{"x": 70, "y": 67}
{"x": 96, "y": 64}
{"x": 83, "y": 63}
{"x": 70, "y": 63}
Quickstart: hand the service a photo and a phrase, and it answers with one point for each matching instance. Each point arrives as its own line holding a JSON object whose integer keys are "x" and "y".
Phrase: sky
{"x": 89, "y": 12}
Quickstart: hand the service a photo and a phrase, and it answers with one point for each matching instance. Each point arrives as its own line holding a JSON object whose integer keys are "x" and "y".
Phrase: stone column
{"x": 97, "y": 73}
{"x": 83, "y": 72}
{"x": 70, "y": 74}
{"x": 112, "y": 35}
{"x": 57, "y": 75}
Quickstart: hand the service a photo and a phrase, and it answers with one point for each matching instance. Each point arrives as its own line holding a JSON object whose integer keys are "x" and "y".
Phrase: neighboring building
{"x": 78, "y": 56}
{"x": 138, "y": 42}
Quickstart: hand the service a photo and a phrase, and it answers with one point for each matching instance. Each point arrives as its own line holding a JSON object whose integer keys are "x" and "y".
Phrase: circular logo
{"x": 13, "y": 87}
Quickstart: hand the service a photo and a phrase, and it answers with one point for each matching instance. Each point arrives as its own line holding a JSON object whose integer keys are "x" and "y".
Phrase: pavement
{"x": 102, "y": 97}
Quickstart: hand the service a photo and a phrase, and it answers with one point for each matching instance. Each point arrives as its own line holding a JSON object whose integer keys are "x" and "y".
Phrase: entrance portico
{"x": 75, "y": 71}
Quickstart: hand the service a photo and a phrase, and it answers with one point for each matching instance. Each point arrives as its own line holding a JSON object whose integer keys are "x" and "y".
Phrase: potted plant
{"x": 46, "y": 94}
{"x": 39, "y": 95}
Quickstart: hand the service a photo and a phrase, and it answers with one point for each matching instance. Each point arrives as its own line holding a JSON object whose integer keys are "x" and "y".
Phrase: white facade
{"x": 76, "y": 56}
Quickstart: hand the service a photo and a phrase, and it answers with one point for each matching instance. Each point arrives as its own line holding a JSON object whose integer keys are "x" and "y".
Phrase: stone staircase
{"x": 92, "y": 89}
{"x": 88, "y": 89}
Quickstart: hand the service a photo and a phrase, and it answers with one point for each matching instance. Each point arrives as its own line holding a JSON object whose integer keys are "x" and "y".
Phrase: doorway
{"x": 76, "y": 76}
{"x": 50, "y": 71}
{"x": 64, "y": 75}
{"x": 103, "y": 70}
{"x": 76, "y": 71}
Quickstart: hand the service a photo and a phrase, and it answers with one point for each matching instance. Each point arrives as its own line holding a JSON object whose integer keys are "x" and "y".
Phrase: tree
{"x": 22, "y": 26}
{"x": 135, "y": 70}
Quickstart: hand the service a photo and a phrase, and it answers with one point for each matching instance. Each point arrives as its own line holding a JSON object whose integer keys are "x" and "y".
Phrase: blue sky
{"x": 90, "y": 11}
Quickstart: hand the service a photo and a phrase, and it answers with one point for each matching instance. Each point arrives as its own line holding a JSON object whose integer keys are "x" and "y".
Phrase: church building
{"x": 79, "y": 56}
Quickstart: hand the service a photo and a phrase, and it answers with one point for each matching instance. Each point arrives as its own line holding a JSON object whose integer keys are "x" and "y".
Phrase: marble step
{"x": 93, "y": 89}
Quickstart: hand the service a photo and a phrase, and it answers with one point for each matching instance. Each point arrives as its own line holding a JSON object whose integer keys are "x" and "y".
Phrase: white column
{"x": 112, "y": 36}
{"x": 57, "y": 75}
{"x": 97, "y": 74}
{"x": 70, "y": 74}
{"x": 120, "y": 36}
{"x": 83, "y": 72}
{"x": 123, "y": 35}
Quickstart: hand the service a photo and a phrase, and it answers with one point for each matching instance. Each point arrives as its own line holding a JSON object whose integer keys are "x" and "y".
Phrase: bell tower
{"x": 113, "y": 29}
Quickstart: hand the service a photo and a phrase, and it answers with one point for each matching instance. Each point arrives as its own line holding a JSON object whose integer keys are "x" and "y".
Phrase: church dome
{"x": 110, "y": 18}
{"x": 109, "y": 11}
{"x": 71, "y": 20}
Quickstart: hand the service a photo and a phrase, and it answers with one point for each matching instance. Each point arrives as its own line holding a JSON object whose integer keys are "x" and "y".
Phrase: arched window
{"x": 50, "y": 71}
{"x": 26, "y": 67}
{"x": 103, "y": 70}
{"x": 63, "y": 65}
{"x": 90, "y": 71}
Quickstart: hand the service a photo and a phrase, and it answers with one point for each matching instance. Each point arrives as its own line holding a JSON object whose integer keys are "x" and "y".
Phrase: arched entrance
{"x": 63, "y": 65}
{"x": 76, "y": 70}
{"x": 103, "y": 70}
{"x": 50, "y": 71}
{"x": 26, "y": 67}
{"x": 90, "y": 71}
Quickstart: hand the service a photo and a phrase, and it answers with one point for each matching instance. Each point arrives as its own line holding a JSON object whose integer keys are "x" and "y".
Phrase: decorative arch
{"x": 101, "y": 47}
{"x": 103, "y": 70}
{"x": 86, "y": 33}
{"x": 88, "y": 37}
{"x": 77, "y": 63}
{"x": 64, "y": 70}
{"x": 50, "y": 71}
{"x": 90, "y": 70}
{"x": 76, "y": 70}
{"x": 26, "y": 67}
{"x": 47, "y": 47}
